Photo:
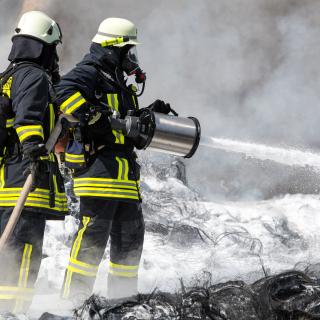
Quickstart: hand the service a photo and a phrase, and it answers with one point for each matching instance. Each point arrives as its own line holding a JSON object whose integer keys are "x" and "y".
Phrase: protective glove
{"x": 160, "y": 106}
{"x": 38, "y": 168}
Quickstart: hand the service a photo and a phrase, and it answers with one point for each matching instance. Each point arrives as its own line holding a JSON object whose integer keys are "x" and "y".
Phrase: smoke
{"x": 247, "y": 69}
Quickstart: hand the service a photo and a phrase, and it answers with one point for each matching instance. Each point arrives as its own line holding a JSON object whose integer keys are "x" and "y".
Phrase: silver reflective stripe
{"x": 88, "y": 271}
{"x": 115, "y": 35}
{"x": 72, "y": 103}
{"x": 102, "y": 191}
{"x": 102, "y": 183}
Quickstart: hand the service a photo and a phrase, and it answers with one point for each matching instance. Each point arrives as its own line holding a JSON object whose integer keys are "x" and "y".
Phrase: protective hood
{"x": 24, "y": 48}
{"x": 109, "y": 57}
{"x": 29, "y": 49}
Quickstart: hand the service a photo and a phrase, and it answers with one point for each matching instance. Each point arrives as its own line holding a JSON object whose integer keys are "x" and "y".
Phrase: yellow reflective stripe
{"x": 67, "y": 284}
{"x": 69, "y": 100}
{"x": 24, "y": 274}
{"x": 111, "y": 190}
{"x": 105, "y": 180}
{"x": 85, "y": 193}
{"x": 120, "y": 168}
{"x": 25, "y": 132}
{"x": 9, "y": 123}
{"x": 6, "y": 88}
{"x": 13, "y": 293}
{"x": 123, "y": 266}
{"x": 113, "y": 103}
{"x": 82, "y": 268}
{"x": 74, "y": 158}
{"x": 83, "y": 264}
{"x": 74, "y": 161}
{"x": 80, "y": 271}
{"x": 77, "y": 243}
{"x": 11, "y": 202}
{"x": 15, "y": 192}
{"x": 25, "y": 266}
{"x": 124, "y": 274}
{"x": 72, "y": 103}
{"x": 76, "y": 106}
{"x": 108, "y": 186}
{"x": 52, "y": 116}
{"x": 126, "y": 169}
{"x": 74, "y": 254}
{"x": 2, "y": 181}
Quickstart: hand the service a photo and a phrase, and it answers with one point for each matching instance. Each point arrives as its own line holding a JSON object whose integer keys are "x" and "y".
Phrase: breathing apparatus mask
{"x": 130, "y": 64}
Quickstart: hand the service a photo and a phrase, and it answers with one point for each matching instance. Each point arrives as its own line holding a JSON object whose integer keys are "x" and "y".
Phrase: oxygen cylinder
{"x": 168, "y": 133}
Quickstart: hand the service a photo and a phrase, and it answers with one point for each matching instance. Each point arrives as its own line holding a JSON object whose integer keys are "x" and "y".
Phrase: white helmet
{"x": 37, "y": 24}
{"x": 112, "y": 28}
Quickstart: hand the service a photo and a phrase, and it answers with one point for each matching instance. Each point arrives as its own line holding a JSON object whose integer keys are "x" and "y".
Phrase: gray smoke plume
{"x": 248, "y": 69}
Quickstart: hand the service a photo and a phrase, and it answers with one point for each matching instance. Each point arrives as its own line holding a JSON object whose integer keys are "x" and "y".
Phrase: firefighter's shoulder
{"x": 28, "y": 76}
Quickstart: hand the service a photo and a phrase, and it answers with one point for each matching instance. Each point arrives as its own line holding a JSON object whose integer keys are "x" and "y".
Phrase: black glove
{"x": 37, "y": 167}
{"x": 160, "y": 106}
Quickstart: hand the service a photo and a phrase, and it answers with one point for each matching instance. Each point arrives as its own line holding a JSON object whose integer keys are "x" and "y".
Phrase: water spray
{"x": 286, "y": 156}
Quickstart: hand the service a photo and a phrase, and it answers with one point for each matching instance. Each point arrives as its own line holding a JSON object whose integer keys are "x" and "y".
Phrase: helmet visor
{"x": 132, "y": 55}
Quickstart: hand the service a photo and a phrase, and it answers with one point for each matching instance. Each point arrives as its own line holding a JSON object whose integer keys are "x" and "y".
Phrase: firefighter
{"x": 27, "y": 86}
{"x": 106, "y": 173}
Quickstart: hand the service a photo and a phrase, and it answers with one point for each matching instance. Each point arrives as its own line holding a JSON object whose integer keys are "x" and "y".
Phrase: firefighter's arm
{"x": 29, "y": 105}
{"x": 75, "y": 89}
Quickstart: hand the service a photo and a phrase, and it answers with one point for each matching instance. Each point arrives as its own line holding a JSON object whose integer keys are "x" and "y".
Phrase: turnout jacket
{"x": 33, "y": 119}
{"x": 112, "y": 171}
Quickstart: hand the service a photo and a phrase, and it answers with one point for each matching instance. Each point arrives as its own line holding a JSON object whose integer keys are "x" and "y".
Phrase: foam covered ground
{"x": 189, "y": 238}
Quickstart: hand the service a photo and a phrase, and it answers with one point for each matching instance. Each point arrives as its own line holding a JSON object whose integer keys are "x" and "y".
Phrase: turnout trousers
{"x": 20, "y": 260}
{"x": 99, "y": 219}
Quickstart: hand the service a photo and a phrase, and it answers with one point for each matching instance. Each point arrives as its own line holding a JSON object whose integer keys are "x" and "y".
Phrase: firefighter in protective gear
{"x": 27, "y": 84}
{"x": 107, "y": 178}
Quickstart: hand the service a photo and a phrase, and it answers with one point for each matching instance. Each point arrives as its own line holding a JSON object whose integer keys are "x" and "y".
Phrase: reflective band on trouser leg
{"x": 23, "y": 275}
{"x": 122, "y": 270}
{"x": 14, "y": 293}
{"x": 122, "y": 280}
{"x": 25, "y": 132}
{"x": 21, "y": 294}
{"x": 76, "y": 266}
{"x": 73, "y": 103}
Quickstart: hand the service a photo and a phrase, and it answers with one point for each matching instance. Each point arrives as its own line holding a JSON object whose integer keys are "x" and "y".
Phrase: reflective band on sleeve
{"x": 73, "y": 103}
{"x": 75, "y": 158}
{"x": 122, "y": 270}
{"x": 25, "y": 132}
{"x": 10, "y": 123}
